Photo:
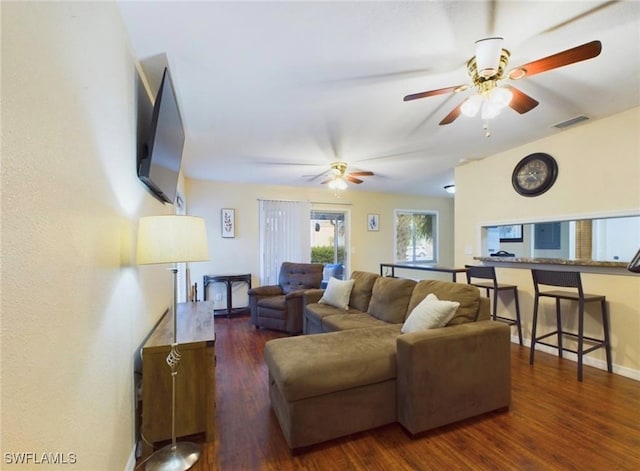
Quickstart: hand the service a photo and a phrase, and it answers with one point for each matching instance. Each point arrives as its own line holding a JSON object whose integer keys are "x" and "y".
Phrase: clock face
{"x": 534, "y": 174}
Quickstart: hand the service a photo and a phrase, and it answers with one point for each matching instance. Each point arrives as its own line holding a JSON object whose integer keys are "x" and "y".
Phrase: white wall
{"x": 599, "y": 171}
{"x": 75, "y": 308}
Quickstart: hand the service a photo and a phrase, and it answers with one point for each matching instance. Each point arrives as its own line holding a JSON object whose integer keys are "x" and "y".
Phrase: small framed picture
{"x": 373, "y": 222}
{"x": 228, "y": 222}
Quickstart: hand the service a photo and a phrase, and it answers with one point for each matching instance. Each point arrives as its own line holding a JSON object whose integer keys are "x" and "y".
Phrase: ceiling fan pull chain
{"x": 485, "y": 126}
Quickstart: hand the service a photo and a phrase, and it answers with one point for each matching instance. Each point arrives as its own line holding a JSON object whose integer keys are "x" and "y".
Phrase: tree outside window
{"x": 415, "y": 236}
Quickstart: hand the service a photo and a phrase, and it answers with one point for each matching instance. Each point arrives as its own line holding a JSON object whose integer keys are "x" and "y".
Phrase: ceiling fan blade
{"x": 326, "y": 181}
{"x": 311, "y": 178}
{"x": 452, "y": 116}
{"x": 364, "y": 173}
{"x": 521, "y": 102}
{"x": 353, "y": 179}
{"x": 560, "y": 59}
{"x": 440, "y": 91}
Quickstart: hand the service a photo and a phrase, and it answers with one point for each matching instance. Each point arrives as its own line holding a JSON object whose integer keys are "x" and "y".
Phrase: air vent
{"x": 570, "y": 122}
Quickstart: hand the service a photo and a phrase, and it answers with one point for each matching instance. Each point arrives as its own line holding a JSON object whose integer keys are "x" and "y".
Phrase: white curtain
{"x": 182, "y": 277}
{"x": 284, "y": 236}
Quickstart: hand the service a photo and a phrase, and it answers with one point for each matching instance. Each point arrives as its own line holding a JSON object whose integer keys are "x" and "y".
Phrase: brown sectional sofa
{"x": 356, "y": 370}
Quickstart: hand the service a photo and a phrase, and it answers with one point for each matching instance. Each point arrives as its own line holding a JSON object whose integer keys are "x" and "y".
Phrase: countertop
{"x": 554, "y": 261}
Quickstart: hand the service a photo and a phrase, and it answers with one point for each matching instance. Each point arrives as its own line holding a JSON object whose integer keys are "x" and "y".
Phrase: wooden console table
{"x": 195, "y": 385}
{"x": 227, "y": 280}
{"x": 420, "y": 266}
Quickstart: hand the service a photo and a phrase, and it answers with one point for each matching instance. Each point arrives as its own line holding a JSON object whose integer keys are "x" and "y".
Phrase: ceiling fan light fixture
{"x": 471, "y": 106}
{"x": 490, "y": 102}
{"x": 488, "y": 53}
{"x": 500, "y": 97}
{"x": 338, "y": 184}
{"x": 489, "y": 110}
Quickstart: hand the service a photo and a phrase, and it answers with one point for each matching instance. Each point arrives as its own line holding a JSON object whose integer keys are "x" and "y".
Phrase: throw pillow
{"x": 337, "y": 293}
{"x": 431, "y": 313}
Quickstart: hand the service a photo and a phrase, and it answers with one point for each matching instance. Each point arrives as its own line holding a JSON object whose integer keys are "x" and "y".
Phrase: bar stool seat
{"x": 489, "y": 273}
{"x": 569, "y": 280}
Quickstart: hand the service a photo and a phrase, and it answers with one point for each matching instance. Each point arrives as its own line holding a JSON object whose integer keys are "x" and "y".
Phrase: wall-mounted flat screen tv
{"x": 159, "y": 164}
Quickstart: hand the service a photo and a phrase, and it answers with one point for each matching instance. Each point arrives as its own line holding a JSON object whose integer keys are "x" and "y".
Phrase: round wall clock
{"x": 534, "y": 174}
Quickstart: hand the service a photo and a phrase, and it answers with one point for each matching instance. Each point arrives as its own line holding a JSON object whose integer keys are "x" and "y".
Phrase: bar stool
{"x": 489, "y": 273}
{"x": 568, "y": 280}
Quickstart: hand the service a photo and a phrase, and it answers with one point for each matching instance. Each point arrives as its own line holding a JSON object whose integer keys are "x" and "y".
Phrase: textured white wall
{"x": 74, "y": 306}
{"x": 599, "y": 171}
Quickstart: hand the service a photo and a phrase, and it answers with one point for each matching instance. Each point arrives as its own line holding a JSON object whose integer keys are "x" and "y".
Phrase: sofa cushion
{"x": 273, "y": 302}
{"x": 353, "y": 320}
{"x": 468, "y": 297}
{"x": 390, "y": 298}
{"x": 337, "y": 293}
{"x": 431, "y": 313}
{"x": 318, "y": 311}
{"x": 361, "y": 292}
{"x": 313, "y": 365}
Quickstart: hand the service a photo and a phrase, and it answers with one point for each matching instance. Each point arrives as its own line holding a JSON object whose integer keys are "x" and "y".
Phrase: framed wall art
{"x": 228, "y": 223}
{"x": 373, "y": 222}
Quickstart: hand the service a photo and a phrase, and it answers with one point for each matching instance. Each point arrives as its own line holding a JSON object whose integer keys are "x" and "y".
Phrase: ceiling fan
{"x": 488, "y": 67}
{"x": 338, "y": 176}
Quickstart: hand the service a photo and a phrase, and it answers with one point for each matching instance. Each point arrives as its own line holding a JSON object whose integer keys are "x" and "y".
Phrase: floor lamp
{"x": 172, "y": 239}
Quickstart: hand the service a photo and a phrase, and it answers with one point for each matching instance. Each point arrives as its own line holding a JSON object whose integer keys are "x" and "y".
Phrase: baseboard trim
{"x": 587, "y": 360}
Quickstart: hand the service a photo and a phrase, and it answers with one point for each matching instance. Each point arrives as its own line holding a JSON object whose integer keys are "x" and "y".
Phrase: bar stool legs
{"x": 569, "y": 280}
{"x": 607, "y": 335}
{"x": 489, "y": 273}
{"x": 494, "y": 311}
{"x": 518, "y": 322}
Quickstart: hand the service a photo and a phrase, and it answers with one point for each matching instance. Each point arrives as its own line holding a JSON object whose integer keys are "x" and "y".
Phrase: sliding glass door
{"x": 329, "y": 242}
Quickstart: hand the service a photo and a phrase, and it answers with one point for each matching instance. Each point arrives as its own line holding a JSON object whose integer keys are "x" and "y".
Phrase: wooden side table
{"x": 195, "y": 385}
{"x": 228, "y": 280}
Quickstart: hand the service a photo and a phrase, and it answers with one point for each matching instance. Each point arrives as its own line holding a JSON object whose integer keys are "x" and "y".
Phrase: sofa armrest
{"x": 312, "y": 296}
{"x": 484, "y": 309}
{"x": 452, "y": 373}
{"x": 299, "y": 293}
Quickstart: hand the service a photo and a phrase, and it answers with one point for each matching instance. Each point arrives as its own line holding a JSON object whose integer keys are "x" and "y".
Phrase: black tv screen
{"x": 159, "y": 164}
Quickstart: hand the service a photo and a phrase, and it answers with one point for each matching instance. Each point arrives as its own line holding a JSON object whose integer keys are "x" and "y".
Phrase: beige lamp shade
{"x": 171, "y": 239}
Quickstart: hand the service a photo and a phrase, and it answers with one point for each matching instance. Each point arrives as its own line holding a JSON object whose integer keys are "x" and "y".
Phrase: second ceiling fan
{"x": 339, "y": 177}
{"x": 488, "y": 67}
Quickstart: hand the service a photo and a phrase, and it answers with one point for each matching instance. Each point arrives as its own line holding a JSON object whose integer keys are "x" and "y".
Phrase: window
{"x": 416, "y": 236}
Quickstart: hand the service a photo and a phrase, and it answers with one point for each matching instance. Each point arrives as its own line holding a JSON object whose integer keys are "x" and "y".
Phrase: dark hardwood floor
{"x": 554, "y": 423}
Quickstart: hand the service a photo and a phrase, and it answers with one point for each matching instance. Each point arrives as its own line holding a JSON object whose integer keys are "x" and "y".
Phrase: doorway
{"x": 329, "y": 239}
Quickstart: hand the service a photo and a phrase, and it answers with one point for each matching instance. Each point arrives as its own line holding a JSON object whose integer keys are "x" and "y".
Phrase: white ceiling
{"x": 272, "y": 92}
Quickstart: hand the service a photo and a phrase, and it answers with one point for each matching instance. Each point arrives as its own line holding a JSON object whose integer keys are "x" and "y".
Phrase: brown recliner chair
{"x": 279, "y": 307}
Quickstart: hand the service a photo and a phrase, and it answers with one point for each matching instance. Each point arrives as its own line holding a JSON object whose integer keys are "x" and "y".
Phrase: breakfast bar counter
{"x": 554, "y": 261}
{"x": 566, "y": 264}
